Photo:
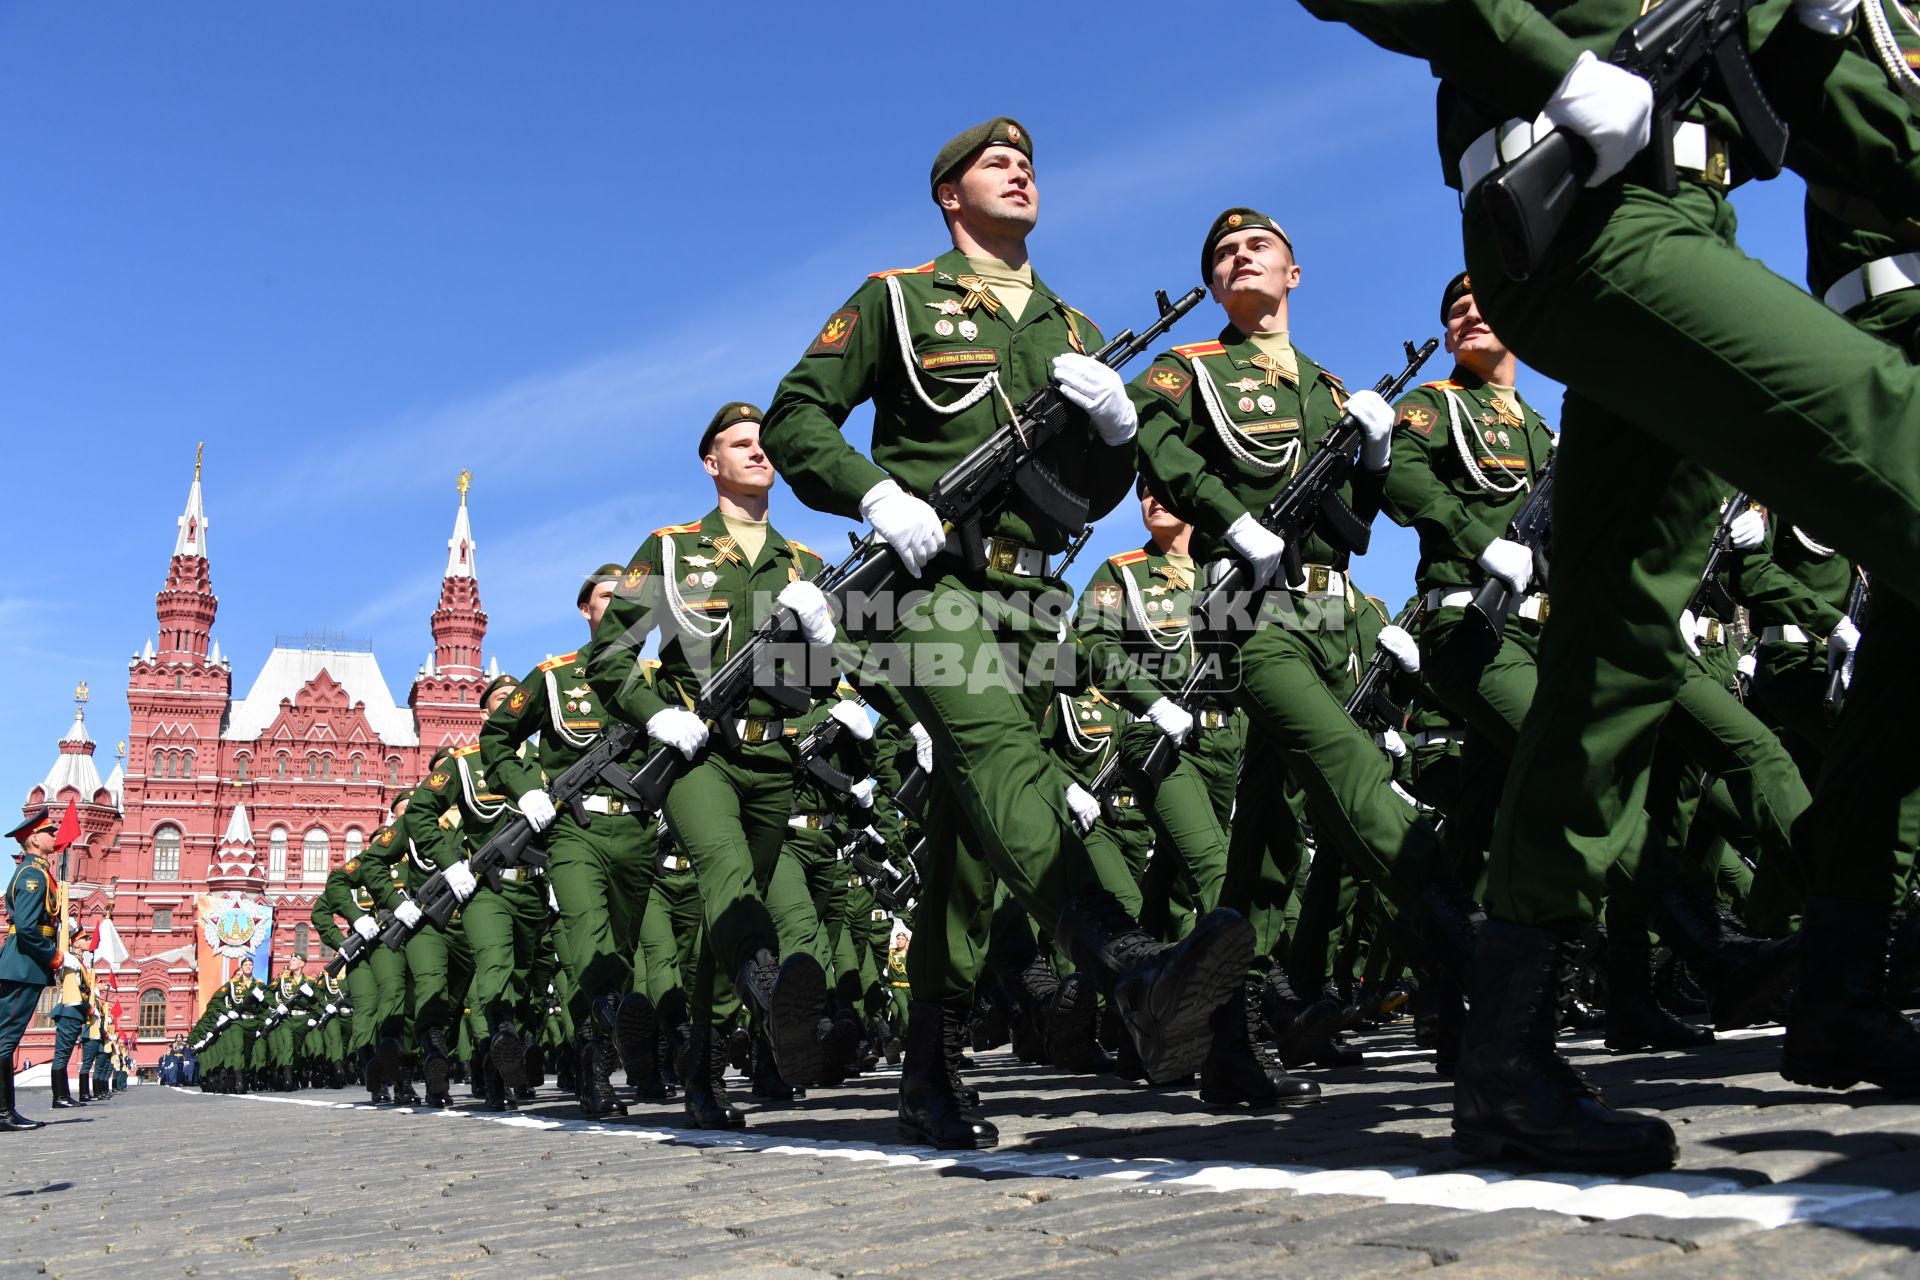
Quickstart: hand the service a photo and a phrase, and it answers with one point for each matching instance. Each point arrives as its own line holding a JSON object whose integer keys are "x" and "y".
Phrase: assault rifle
{"x": 892, "y": 888}
{"x": 971, "y": 492}
{"x": 1857, "y": 597}
{"x": 1680, "y": 47}
{"x": 511, "y": 845}
{"x": 1532, "y": 528}
{"x": 353, "y": 948}
{"x": 1312, "y": 496}
{"x": 1369, "y": 696}
{"x": 1712, "y": 593}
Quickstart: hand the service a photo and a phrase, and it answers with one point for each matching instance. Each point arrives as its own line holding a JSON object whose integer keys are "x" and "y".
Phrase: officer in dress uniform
{"x": 32, "y": 954}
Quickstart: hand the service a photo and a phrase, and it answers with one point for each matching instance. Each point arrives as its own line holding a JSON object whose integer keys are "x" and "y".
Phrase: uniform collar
{"x": 714, "y": 525}
{"x": 1241, "y": 351}
{"x": 951, "y": 265}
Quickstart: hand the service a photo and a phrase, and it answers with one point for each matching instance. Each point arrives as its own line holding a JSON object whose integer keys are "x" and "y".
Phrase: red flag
{"x": 69, "y": 827}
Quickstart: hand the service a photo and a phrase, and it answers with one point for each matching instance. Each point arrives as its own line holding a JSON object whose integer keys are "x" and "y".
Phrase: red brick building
{"x": 260, "y": 794}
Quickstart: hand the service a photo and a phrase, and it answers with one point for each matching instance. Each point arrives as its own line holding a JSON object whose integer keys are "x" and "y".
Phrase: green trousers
{"x": 441, "y": 965}
{"x": 1759, "y": 382}
{"x": 363, "y": 994}
{"x": 503, "y": 931}
{"x": 602, "y": 877}
{"x": 671, "y": 934}
{"x": 1190, "y": 809}
{"x": 729, "y": 815}
{"x": 1266, "y": 850}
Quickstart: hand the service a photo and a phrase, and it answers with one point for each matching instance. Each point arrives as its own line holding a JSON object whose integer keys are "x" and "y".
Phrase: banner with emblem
{"x": 232, "y": 927}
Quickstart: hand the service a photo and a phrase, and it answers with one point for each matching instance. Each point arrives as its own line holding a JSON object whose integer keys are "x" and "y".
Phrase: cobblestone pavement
{"x": 1774, "y": 1180}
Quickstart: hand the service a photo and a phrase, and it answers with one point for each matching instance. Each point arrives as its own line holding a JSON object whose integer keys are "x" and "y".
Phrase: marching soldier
{"x": 941, "y": 350}
{"x": 32, "y": 956}
{"x": 705, "y": 585}
{"x": 70, "y": 1015}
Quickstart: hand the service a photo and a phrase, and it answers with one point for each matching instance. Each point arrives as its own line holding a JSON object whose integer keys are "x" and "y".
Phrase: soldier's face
{"x": 1466, "y": 331}
{"x": 1157, "y": 518}
{"x": 596, "y": 606}
{"x": 736, "y": 461}
{"x": 997, "y": 190}
{"x": 499, "y": 696}
{"x": 41, "y": 842}
{"x": 1253, "y": 263}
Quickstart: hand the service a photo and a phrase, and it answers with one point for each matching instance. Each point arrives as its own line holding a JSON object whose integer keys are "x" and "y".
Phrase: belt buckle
{"x": 1719, "y": 170}
{"x": 1319, "y": 578}
{"x": 1003, "y": 554}
{"x": 753, "y": 729}
{"x": 1213, "y": 718}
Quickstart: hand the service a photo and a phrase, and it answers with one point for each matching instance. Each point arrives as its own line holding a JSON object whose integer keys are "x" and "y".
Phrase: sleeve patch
{"x": 518, "y": 702}
{"x": 835, "y": 333}
{"x": 437, "y": 780}
{"x": 1418, "y": 419}
{"x": 1169, "y": 382}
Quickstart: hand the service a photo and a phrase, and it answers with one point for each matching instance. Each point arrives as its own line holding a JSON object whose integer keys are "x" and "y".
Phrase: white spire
{"x": 192, "y": 538}
{"x": 239, "y": 830}
{"x": 493, "y": 667}
{"x": 78, "y": 733}
{"x": 146, "y": 654}
{"x": 460, "y": 545}
{"x": 432, "y": 668}
{"x": 117, "y": 787}
{"x": 213, "y": 658}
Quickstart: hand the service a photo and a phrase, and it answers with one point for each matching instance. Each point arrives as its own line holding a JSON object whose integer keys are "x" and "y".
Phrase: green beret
{"x": 1229, "y": 222}
{"x": 960, "y": 148}
{"x": 1456, "y": 288}
{"x": 498, "y": 682}
{"x": 609, "y": 572}
{"x": 731, "y": 414}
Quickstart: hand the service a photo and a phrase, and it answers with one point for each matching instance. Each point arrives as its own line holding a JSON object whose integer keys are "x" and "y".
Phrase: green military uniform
{"x": 341, "y": 899}
{"x": 729, "y": 812}
{"x": 27, "y": 960}
{"x": 430, "y": 982}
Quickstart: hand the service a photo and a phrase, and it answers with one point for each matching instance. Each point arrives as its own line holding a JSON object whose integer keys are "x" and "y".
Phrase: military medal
{"x": 946, "y": 306}
{"x": 1505, "y": 440}
{"x": 1244, "y": 384}
{"x": 978, "y": 295}
{"x": 1508, "y": 415}
{"x": 699, "y": 562}
{"x": 943, "y": 326}
{"x": 708, "y": 578}
{"x": 1246, "y": 404}
{"x": 727, "y": 550}
{"x": 693, "y": 579}
{"x": 1266, "y": 404}
{"x": 1275, "y": 373}
{"x": 969, "y": 330}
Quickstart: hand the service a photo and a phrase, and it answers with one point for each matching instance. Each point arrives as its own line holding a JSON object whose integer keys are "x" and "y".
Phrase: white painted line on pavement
{"x": 1664, "y": 1195}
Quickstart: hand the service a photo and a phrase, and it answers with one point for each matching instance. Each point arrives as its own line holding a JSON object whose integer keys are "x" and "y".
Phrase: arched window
{"x": 153, "y": 1014}
{"x": 176, "y": 682}
{"x": 313, "y": 765}
{"x": 277, "y": 854}
{"x": 166, "y": 853}
{"x": 159, "y": 759}
{"x": 393, "y": 771}
{"x": 300, "y": 931}
{"x": 313, "y": 855}
{"x": 280, "y": 765}
{"x": 186, "y": 766}
{"x": 356, "y": 841}
{"x": 354, "y": 767}
{"x": 240, "y": 763}
{"x": 326, "y": 764}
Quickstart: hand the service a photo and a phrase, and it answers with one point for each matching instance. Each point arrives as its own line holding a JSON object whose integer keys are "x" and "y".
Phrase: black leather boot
{"x": 390, "y": 1064}
{"x": 536, "y": 1063}
{"x": 1635, "y": 1019}
{"x": 1743, "y": 976}
{"x": 705, "y": 1076}
{"x": 434, "y": 1070}
{"x": 636, "y": 1033}
{"x": 86, "y": 1090}
{"x": 597, "y": 1095}
{"x": 11, "y": 1121}
{"x": 788, "y": 1000}
{"x": 764, "y": 1080}
{"x": 1237, "y": 1073}
{"x": 1576, "y": 1013}
{"x": 930, "y": 1111}
{"x": 1843, "y": 1027}
{"x": 1165, "y": 994}
{"x": 507, "y": 1053}
{"x": 62, "y": 1092}
{"x": 1514, "y": 1095}
{"x": 1302, "y": 1029}
{"x": 1072, "y": 1026}
{"x": 497, "y": 1096}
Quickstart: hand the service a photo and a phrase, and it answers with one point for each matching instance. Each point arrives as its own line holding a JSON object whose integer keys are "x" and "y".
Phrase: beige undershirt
{"x": 1012, "y": 287}
{"x": 1181, "y": 561}
{"x": 749, "y": 535}
{"x": 1278, "y": 347}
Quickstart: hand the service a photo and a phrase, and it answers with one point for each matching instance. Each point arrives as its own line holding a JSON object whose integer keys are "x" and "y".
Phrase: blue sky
{"x": 357, "y": 248}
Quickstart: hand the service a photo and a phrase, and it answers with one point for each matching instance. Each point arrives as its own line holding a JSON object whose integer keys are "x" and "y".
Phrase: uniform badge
{"x": 835, "y": 333}
{"x": 708, "y": 578}
{"x": 969, "y": 330}
{"x": 943, "y": 327}
{"x": 699, "y": 562}
{"x": 635, "y": 576}
{"x": 1246, "y": 404}
{"x": 1492, "y": 436}
{"x": 1244, "y": 384}
{"x": 437, "y": 780}
{"x": 1266, "y": 403}
{"x": 693, "y": 579}
{"x": 1156, "y": 590}
{"x": 1418, "y": 418}
{"x": 1171, "y": 383}
{"x": 1505, "y": 440}
{"x": 385, "y": 837}
{"x": 946, "y": 306}
{"x": 1107, "y": 596}
{"x": 352, "y": 866}
{"x": 518, "y": 700}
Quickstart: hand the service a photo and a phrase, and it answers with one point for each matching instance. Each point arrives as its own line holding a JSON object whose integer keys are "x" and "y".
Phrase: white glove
{"x": 1747, "y": 530}
{"x": 1403, "y": 647}
{"x": 680, "y": 729}
{"x": 1098, "y": 389}
{"x": 1258, "y": 545}
{"x": 1086, "y": 810}
{"x": 922, "y": 746}
{"x": 862, "y": 792}
{"x": 313, "y": 1022}
{"x": 1840, "y": 647}
{"x": 874, "y": 837}
{"x": 408, "y": 914}
{"x": 810, "y": 610}
{"x": 1170, "y": 718}
{"x": 1375, "y": 417}
{"x": 306, "y": 989}
{"x": 1508, "y": 561}
{"x": 1828, "y": 17}
{"x": 70, "y": 962}
{"x": 854, "y": 717}
{"x": 537, "y": 808}
{"x": 1747, "y": 665}
{"x": 460, "y": 879}
{"x": 260, "y": 995}
{"x": 1690, "y": 632}
{"x": 366, "y": 928}
{"x": 281, "y": 1009}
{"x": 1394, "y": 744}
{"x": 223, "y": 1020}
{"x": 1610, "y": 108}
{"x": 333, "y": 1008}
{"x": 905, "y": 523}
